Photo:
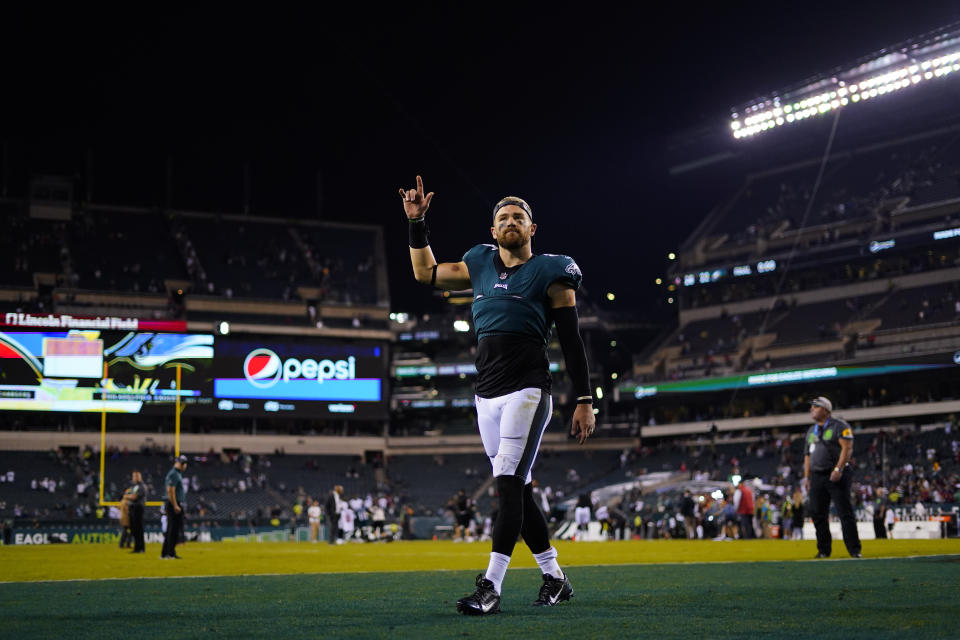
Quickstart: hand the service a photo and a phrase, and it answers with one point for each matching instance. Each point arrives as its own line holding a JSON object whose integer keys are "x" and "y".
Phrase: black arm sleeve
{"x": 574, "y": 354}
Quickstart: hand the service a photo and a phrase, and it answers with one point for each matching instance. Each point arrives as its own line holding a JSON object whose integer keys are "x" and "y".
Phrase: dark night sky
{"x": 566, "y": 105}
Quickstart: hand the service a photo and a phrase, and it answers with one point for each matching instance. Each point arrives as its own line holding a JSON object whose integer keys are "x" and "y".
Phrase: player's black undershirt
{"x": 510, "y": 362}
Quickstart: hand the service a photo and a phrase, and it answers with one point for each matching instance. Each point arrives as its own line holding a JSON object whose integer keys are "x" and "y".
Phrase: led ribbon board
{"x": 770, "y": 378}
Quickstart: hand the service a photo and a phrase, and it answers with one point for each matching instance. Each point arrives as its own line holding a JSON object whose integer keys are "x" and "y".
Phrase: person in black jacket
{"x": 332, "y": 508}
{"x": 688, "y": 510}
{"x": 135, "y": 497}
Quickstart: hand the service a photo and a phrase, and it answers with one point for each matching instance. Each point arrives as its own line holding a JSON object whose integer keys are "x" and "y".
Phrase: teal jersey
{"x": 514, "y": 300}
{"x": 175, "y": 480}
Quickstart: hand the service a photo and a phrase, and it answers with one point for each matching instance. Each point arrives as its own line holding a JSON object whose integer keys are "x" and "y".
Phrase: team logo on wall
{"x": 262, "y": 368}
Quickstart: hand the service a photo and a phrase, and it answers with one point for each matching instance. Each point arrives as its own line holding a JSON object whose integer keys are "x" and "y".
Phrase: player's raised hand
{"x": 584, "y": 422}
{"x": 415, "y": 204}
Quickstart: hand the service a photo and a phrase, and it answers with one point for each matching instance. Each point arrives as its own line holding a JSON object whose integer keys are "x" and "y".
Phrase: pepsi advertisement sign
{"x": 323, "y": 378}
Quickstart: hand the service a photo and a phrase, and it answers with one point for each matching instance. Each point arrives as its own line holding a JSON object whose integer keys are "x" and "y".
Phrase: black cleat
{"x": 820, "y": 555}
{"x": 855, "y": 555}
{"x": 484, "y": 600}
{"x": 554, "y": 591}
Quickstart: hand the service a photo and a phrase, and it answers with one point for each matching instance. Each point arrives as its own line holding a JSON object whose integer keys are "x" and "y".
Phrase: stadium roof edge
{"x": 917, "y": 60}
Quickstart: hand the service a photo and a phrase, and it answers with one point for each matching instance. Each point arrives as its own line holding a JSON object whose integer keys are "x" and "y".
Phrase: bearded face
{"x": 512, "y": 227}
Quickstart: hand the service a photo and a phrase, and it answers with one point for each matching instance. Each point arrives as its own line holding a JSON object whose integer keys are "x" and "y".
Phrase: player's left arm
{"x": 563, "y": 310}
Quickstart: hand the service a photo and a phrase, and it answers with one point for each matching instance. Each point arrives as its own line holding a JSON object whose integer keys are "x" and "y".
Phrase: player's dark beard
{"x": 511, "y": 240}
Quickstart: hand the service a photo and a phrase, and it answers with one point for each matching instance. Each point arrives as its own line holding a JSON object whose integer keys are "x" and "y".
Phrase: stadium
{"x": 225, "y": 288}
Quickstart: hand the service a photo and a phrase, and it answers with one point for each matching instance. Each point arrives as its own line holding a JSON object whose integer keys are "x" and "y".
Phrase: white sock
{"x": 497, "y": 569}
{"x": 547, "y": 561}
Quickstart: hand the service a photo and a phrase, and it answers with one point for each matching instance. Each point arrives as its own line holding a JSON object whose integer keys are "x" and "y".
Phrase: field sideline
{"x": 656, "y": 589}
{"x": 95, "y": 561}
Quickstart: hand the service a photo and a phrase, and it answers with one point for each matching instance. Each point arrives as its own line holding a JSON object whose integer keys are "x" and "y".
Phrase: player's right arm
{"x": 445, "y": 275}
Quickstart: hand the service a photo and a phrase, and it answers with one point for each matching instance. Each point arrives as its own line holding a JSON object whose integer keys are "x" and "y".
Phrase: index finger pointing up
{"x": 420, "y": 185}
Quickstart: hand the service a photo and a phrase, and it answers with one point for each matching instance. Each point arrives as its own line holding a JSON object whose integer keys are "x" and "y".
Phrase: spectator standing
{"x": 743, "y": 503}
{"x": 688, "y": 511}
{"x": 730, "y": 520}
{"x": 879, "y": 529}
{"x": 135, "y": 498}
{"x": 174, "y": 508}
{"x": 797, "y": 515}
{"x": 582, "y": 515}
{"x": 463, "y": 510}
{"x": 378, "y": 518}
{"x": 122, "y": 514}
{"x": 787, "y": 518}
{"x": 347, "y": 517}
{"x": 603, "y": 516}
{"x": 313, "y": 515}
{"x": 827, "y": 477}
{"x": 333, "y": 507}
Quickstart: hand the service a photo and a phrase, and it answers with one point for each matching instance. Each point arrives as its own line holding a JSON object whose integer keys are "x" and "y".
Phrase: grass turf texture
{"x": 740, "y": 598}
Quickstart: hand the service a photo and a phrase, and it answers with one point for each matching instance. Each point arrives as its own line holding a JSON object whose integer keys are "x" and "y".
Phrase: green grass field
{"x": 656, "y": 589}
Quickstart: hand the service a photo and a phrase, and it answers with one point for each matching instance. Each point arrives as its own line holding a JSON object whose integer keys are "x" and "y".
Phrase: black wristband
{"x": 585, "y": 400}
{"x": 419, "y": 234}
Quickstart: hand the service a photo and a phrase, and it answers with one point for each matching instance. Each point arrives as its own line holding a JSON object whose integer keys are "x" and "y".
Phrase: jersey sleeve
{"x": 476, "y": 252}
{"x": 846, "y": 433}
{"x": 563, "y": 269}
{"x": 473, "y": 257}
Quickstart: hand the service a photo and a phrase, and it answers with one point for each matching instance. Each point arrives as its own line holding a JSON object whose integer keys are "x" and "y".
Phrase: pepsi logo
{"x": 262, "y": 368}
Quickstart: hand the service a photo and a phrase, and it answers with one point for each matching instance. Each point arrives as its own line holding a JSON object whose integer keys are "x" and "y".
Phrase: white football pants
{"x": 511, "y": 427}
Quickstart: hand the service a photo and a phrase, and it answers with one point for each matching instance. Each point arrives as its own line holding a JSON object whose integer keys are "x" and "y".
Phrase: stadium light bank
{"x": 928, "y": 58}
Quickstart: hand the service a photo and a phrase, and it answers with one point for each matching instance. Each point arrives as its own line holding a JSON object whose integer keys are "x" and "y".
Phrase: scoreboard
{"x": 61, "y": 363}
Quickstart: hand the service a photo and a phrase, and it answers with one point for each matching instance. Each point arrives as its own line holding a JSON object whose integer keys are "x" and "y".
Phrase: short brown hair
{"x": 514, "y": 200}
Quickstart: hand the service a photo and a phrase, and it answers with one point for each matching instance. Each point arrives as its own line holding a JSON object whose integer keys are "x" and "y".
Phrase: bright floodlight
{"x": 461, "y": 325}
{"x": 930, "y": 57}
